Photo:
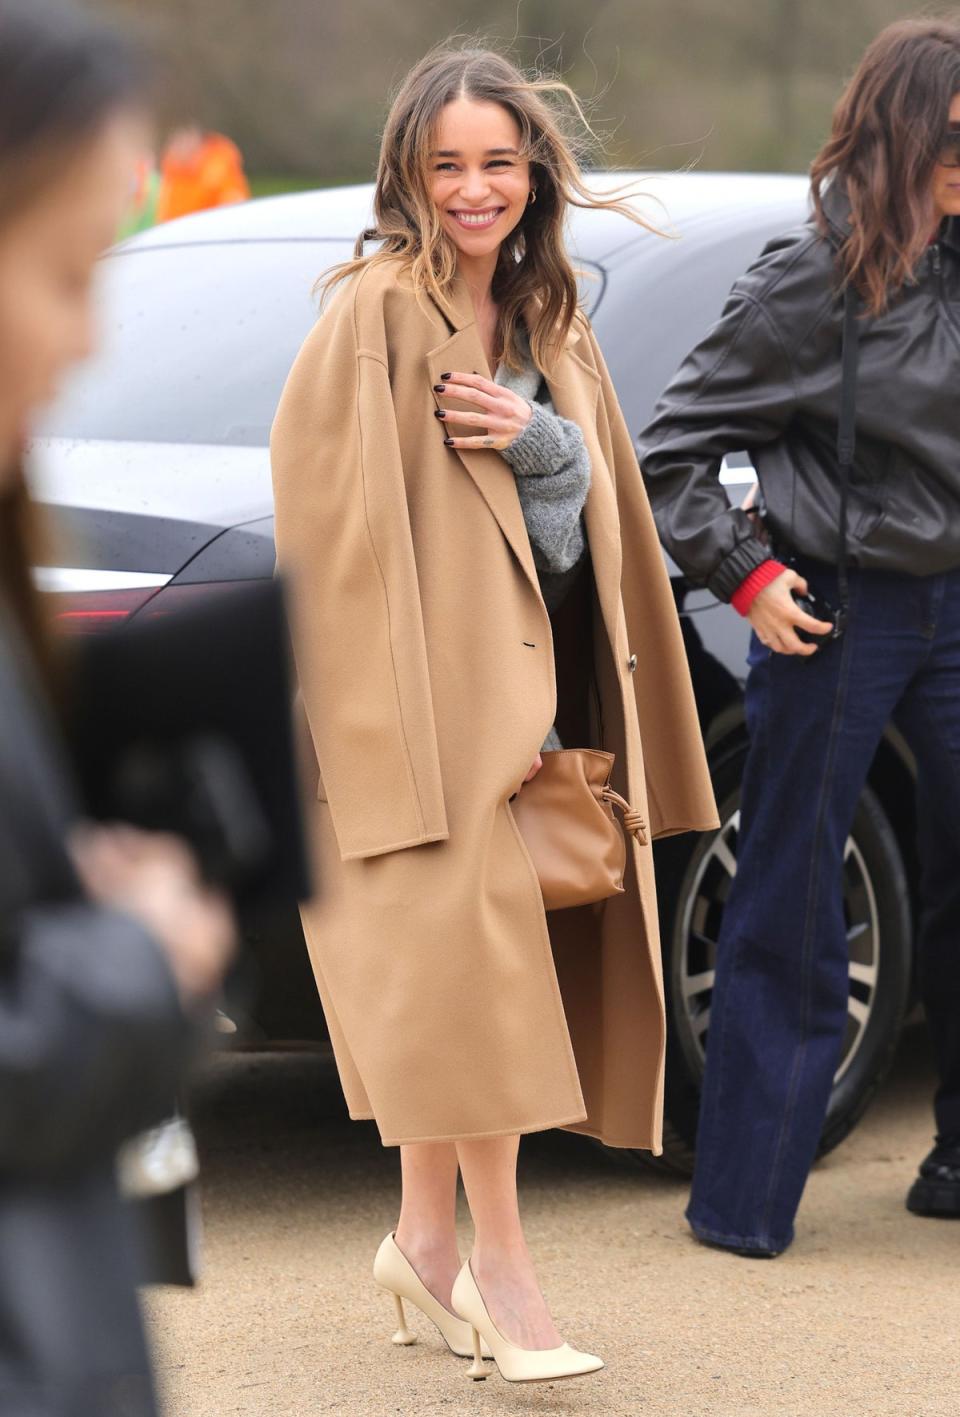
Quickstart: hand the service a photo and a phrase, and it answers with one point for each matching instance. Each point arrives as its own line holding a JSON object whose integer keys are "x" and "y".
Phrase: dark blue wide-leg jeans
{"x": 779, "y": 1004}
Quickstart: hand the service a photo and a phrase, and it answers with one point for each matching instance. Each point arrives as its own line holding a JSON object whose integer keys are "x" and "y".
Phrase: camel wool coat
{"x": 428, "y": 670}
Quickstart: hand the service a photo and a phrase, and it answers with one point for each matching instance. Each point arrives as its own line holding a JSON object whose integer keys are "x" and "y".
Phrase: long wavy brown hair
{"x": 888, "y": 128}
{"x": 61, "y": 78}
{"x": 533, "y": 263}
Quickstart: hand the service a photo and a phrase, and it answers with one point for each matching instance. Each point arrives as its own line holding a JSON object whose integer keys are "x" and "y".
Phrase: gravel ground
{"x": 858, "y": 1317}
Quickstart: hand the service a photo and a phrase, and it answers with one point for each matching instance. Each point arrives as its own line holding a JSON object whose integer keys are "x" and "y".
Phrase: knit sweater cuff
{"x": 541, "y": 448}
{"x": 758, "y": 579}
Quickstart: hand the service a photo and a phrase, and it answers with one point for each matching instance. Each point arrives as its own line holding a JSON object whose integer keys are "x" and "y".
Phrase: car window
{"x": 196, "y": 342}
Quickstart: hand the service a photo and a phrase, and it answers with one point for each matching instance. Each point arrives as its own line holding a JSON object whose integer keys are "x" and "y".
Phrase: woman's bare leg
{"x": 501, "y": 1262}
{"x": 426, "y": 1230}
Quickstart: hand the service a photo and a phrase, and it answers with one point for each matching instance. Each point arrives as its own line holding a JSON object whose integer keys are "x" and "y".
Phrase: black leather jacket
{"x": 767, "y": 379}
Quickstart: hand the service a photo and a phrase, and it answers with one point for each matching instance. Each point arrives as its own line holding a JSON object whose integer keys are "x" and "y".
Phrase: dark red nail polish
{"x": 448, "y": 442}
{"x": 439, "y": 413}
{"x": 439, "y": 388}
{"x": 445, "y": 376}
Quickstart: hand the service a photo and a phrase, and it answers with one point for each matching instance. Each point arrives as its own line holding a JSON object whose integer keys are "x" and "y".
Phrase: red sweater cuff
{"x": 748, "y": 590}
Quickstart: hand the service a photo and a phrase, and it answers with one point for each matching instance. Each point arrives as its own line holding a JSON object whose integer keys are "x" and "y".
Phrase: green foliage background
{"x": 303, "y": 85}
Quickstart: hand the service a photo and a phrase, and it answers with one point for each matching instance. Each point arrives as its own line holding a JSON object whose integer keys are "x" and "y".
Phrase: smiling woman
{"x": 443, "y": 586}
{"x": 475, "y": 187}
{"x": 479, "y": 161}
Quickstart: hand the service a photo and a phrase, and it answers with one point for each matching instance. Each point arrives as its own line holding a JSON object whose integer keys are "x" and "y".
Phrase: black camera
{"x": 820, "y": 609}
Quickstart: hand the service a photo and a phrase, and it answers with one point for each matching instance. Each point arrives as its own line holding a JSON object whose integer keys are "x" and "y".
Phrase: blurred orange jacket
{"x": 211, "y": 176}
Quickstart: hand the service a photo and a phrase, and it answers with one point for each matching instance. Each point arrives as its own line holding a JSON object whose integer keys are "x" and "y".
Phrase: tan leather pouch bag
{"x": 566, "y": 818}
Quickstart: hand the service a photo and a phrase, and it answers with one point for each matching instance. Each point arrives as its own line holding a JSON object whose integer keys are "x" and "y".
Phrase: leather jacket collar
{"x": 836, "y": 209}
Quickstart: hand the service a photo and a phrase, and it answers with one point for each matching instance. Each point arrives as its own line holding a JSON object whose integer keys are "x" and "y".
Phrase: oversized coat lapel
{"x": 575, "y": 390}
{"x": 462, "y": 350}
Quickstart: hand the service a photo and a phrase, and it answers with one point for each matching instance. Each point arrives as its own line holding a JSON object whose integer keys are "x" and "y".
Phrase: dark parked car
{"x": 155, "y": 465}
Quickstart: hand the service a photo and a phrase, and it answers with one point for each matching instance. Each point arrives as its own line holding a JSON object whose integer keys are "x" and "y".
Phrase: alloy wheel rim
{"x": 693, "y": 962}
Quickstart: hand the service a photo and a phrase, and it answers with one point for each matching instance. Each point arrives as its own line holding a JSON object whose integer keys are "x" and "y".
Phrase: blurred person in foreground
{"x": 199, "y": 170}
{"x": 110, "y": 947}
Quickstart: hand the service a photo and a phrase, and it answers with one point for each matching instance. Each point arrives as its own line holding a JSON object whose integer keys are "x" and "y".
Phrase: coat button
{"x": 632, "y": 663}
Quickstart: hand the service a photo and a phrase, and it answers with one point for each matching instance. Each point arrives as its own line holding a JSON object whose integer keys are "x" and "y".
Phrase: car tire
{"x": 879, "y": 920}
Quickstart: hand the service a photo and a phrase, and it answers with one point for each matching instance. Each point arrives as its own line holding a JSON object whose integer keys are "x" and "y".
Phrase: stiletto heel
{"x": 517, "y": 1365}
{"x": 403, "y": 1335}
{"x": 476, "y": 1369}
{"x": 394, "y": 1272}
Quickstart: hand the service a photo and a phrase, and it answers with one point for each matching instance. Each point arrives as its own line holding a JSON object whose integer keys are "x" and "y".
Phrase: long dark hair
{"x": 61, "y": 78}
{"x": 887, "y": 133}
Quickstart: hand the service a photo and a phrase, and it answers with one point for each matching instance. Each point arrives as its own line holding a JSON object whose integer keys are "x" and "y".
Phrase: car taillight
{"x": 92, "y": 612}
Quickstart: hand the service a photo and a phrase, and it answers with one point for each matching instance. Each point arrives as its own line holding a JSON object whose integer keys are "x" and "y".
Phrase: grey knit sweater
{"x": 552, "y": 469}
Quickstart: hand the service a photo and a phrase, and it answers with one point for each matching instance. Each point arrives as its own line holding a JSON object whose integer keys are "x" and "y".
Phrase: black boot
{"x": 936, "y": 1191}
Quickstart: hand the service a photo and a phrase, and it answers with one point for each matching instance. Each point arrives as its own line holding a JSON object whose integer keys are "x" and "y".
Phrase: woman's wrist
{"x": 751, "y": 586}
{"x": 542, "y": 446}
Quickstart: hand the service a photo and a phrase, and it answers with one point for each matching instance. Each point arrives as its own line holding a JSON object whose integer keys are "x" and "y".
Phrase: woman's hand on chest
{"x": 500, "y": 412}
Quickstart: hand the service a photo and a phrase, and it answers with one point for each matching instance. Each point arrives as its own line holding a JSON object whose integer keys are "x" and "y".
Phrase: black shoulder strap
{"x": 847, "y": 430}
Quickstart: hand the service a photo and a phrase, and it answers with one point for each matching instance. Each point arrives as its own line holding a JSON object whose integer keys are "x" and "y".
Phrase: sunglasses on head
{"x": 950, "y": 148}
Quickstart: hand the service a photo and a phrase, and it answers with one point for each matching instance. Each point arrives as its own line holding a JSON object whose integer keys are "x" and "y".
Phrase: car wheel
{"x": 693, "y": 879}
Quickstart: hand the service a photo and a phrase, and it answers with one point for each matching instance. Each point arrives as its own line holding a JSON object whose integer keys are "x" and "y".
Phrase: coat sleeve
{"x": 679, "y": 790}
{"x": 93, "y": 1040}
{"x": 344, "y": 544}
{"x": 733, "y": 392}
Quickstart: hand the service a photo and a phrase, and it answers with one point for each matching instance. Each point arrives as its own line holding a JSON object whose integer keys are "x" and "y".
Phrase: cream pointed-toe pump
{"x": 517, "y": 1365}
{"x": 394, "y": 1272}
